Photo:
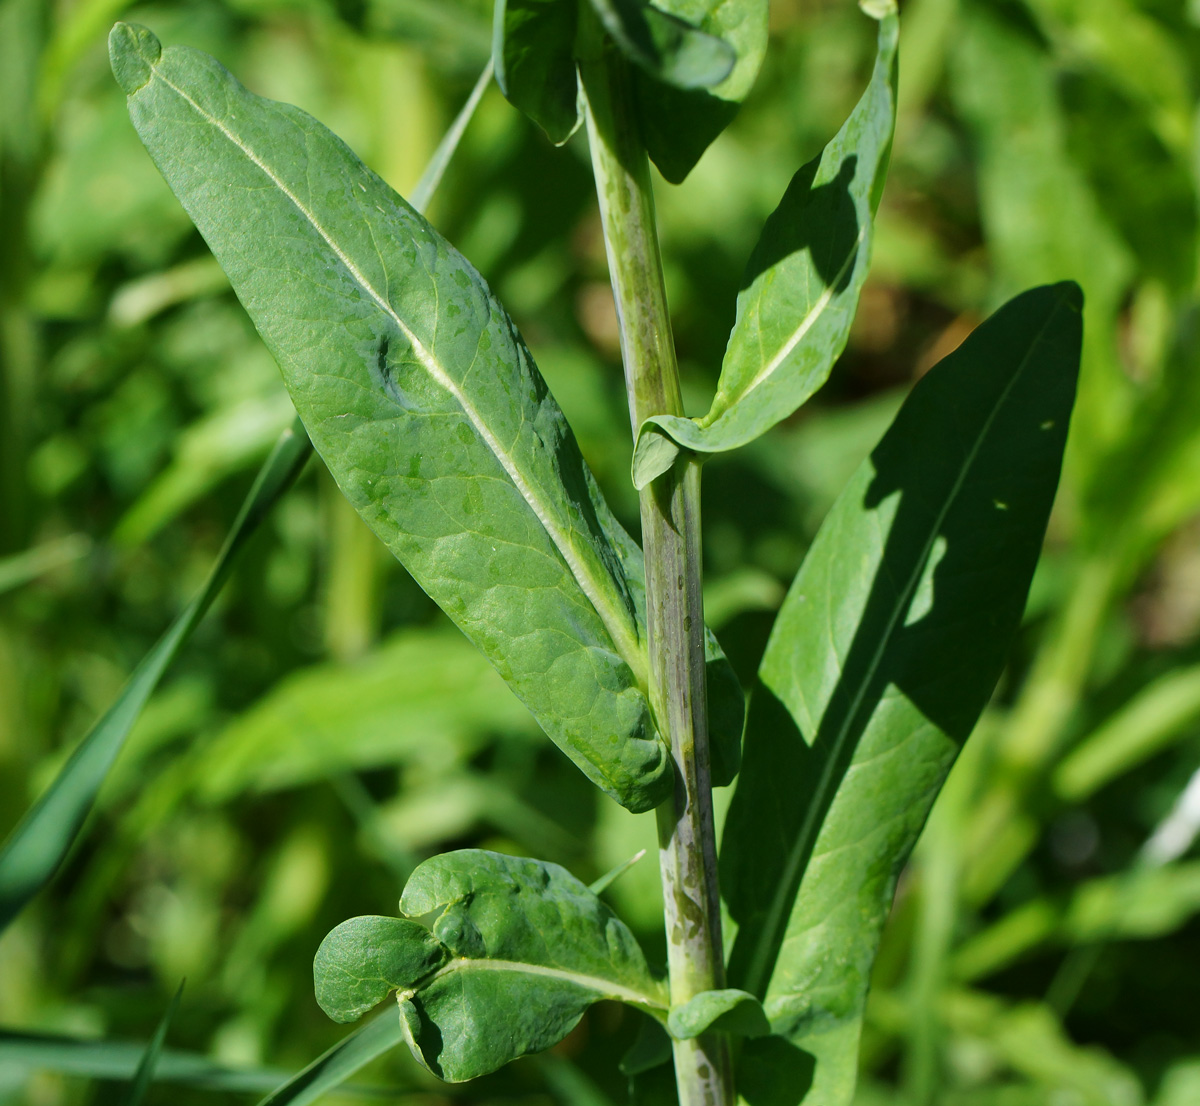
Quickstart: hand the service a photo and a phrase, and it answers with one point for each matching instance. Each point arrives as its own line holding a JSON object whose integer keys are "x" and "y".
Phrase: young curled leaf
{"x": 678, "y": 124}
{"x": 731, "y": 1011}
{"x": 516, "y": 951}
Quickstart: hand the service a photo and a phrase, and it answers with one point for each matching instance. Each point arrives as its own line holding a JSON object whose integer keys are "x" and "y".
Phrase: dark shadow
{"x": 821, "y": 219}
{"x": 772, "y": 1071}
{"x": 944, "y": 652}
{"x": 678, "y": 124}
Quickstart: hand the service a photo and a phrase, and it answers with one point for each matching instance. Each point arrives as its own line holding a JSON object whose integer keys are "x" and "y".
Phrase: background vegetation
{"x": 326, "y": 729}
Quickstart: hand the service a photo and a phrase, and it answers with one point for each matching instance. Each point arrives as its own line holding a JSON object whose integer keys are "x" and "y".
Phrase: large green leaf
{"x": 422, "y": 399}
{"x": 516, "y": 953}
{"x": 886, "y": 650}
{"x": 801, "y": 285}
{"x": 679, "y": 122}
{"x": 533, "y": 47}
{"x": 39, "y": 844}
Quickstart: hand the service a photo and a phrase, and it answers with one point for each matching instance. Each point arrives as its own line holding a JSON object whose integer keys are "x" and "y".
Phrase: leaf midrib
{"x": 604, "y": 987}
{"x": 619, "y": 626}
{"x": 755, "y": 984}
{"x": 803, "y": 327}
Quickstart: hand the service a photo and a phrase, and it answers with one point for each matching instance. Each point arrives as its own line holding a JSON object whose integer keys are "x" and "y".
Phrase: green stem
{"x": 670, "y": 512}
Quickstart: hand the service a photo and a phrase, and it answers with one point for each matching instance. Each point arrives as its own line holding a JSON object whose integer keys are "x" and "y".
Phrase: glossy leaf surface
{"x": 421, "y": 398}
{"x": 885, "y": 652}
{"x": 533, "y": 48}
{"x": 518, "y": 950}
{"x": 801, "y": 285}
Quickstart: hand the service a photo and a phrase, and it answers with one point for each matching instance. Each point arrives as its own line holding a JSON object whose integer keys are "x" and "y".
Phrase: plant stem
{"x": 670, "y": 512}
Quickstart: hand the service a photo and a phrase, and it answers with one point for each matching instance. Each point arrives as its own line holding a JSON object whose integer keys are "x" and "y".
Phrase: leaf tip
{"x": 653, "y": 454}
{"x": 134, "y": 51}
{"x": 1071, "y": 294}
{"x": 878, "y": 9}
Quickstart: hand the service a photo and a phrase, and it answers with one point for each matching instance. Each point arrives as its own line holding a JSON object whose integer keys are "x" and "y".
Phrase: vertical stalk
{"x": 670, "y": 513}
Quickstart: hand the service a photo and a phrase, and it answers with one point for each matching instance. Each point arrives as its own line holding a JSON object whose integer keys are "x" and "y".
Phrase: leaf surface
{"x": 516, "y": 951}
{"x": 39, "y": 844}
{"x": 885, "y": 652}
{"x": 801, "y": 285}
{"x": 533, "y": 48}
{"x": 731, "y": 1011}
{"x": 421, "y": 398}
{"x": 679, "y": 123}
{"x": 662, "y": 42}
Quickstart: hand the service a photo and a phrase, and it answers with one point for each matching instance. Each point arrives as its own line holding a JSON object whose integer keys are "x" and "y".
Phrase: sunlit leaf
{"x": 801, "y": 286}
{"x": 731, "y": 1011}
{"x": 885, "y": 652}
{"x": 421, "y": 398}
{"x": 516, "y": 951}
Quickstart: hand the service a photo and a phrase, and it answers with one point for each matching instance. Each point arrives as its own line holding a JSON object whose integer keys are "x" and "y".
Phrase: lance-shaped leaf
{"x": 801, "y": 285}
{"x": 679, "y": 122}
{"x": 420, "y": 396}
{"x": 518, "y": 950}
{"x": 533, "y": 48}
{"x": 663, "y": 43}
{"x": 884, "y": 654}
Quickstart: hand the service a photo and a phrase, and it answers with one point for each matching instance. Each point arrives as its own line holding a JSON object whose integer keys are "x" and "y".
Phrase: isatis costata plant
{"x": 428, "y": 409}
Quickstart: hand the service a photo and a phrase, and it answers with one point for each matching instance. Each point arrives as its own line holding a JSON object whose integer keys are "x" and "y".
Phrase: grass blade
{"x": 36, "y": 848}
{"x": 144, "y": 1075}
{"x": 335, "y": 1066}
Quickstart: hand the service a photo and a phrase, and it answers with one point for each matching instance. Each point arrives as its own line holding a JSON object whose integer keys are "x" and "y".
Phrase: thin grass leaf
{"x": 36, "y": 848}
{"x": 144, "y": 1075}
{"x": 119, "y": 1060}
{"x": 22, "y": 568}
{"x": 424, "y": 189}
{"x": 332, "y": 1068}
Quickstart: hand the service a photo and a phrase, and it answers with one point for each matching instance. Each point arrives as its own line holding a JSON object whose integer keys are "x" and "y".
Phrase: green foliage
{"x": 664, "y": 45}
{"x": 731, "y": 1011}
{"x": 885, "y": 652}
{"x": 518, "y": 950}
{"x": 497, "y": 518}
{"x": 326, "y": 729}
{"x": 36, "y": 848}
{"x": 534, "y": 53}
{"x": 800, "y": 288}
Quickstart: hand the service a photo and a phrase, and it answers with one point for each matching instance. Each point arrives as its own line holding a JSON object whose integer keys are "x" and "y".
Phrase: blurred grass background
{"x": 326, "y": 729}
